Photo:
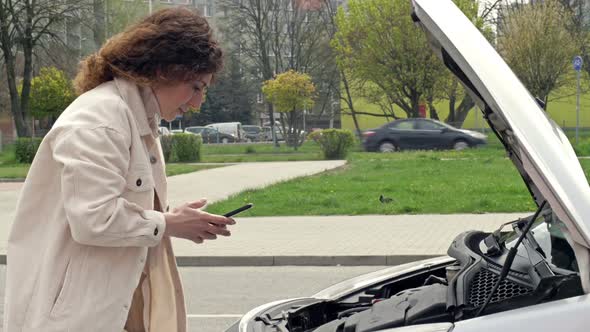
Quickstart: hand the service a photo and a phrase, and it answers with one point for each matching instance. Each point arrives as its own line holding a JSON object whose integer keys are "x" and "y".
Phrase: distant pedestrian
{"x": 90, "y": 246}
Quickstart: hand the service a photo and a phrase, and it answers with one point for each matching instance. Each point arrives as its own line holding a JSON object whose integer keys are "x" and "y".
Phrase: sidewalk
{"x": 322, "y": 240}
{"x": 336, "y": 240}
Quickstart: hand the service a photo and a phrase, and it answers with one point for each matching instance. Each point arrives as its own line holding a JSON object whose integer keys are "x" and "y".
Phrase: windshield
{"x": 251, "y": 129}
{"x": 547, "y": 231}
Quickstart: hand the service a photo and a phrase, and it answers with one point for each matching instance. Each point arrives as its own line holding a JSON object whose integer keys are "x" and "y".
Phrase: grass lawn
{"x": 17, "y": 171}
{"x": 562, "y": 111}
{"x": 212, "y": 153}
{"x": 176, "y": 169}
{"x": 257, "y": 148}
{"x": 238, "y": 158}
{"x": 235, "y": 153}
{"x": 472, "y": 181}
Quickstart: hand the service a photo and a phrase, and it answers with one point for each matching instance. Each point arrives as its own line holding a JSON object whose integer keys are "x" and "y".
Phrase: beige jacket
{"x": 85, "y": 218}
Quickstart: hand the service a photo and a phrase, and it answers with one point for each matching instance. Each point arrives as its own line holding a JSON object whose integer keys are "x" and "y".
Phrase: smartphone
{"x": 238, "y": 210}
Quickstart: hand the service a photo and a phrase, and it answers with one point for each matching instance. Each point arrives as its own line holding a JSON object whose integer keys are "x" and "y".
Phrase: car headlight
{"x": 477, "y": 135}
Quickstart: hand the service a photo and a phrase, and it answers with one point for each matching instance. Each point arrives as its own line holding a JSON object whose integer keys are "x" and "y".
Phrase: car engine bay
{"x": 449, "y": 292}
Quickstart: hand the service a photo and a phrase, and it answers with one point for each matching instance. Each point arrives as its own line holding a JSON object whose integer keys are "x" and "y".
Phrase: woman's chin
{"x": 171, "y": 117}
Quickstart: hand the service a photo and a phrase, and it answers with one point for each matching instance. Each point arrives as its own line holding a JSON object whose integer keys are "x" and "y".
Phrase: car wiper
{"x": 510, "y": 258}
{"x": 536, "y": 255}
{"x": 492, "y": 241}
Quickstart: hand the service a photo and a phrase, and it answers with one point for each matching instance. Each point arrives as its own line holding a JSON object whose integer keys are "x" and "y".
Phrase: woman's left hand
{"x": 189, "y": 222}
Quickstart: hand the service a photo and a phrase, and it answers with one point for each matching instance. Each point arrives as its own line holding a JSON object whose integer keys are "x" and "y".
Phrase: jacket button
{"x": 156, "y": 231}
{"x": 153, "y": 159}
{"x": 138, "y": 182}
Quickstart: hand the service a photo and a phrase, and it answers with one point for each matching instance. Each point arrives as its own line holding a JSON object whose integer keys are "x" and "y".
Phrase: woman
{"x": 90, "y": 248}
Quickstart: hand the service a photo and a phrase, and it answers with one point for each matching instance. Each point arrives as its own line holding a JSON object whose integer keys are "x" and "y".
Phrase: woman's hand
{"x": 189, "y": 222}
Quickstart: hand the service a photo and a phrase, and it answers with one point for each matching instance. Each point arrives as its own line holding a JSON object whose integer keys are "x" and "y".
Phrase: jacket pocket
{"x": 139, "y": 180}
{"x": 62, "y": 294}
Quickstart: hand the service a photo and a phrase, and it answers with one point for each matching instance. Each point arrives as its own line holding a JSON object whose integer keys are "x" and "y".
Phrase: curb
{"x": 12, "y": 180}
{"x": 381, "y": 260}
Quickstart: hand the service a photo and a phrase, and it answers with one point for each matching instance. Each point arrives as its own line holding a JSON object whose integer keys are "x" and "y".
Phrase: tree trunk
{"x": 17, "y": 114}
{"x": 99, "y": 22}
{"x": 452, "y": 103}
{"x": 27, "y": 77}
{"x": 463, "y": 110}
{"x": 431, "y": 109}
{"x": 415, "y": 107}
{"x": 350, "y": 105}
{"x": 271, "y": 115}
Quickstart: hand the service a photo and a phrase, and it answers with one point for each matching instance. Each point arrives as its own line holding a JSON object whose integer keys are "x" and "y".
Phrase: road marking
{"x": 215, "y": 316}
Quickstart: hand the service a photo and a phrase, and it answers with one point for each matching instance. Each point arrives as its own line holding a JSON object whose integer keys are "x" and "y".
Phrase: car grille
{"x": 482, "y": 285}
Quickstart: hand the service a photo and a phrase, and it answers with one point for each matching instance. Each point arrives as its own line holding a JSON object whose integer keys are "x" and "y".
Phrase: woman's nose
{"x": 196, "y": 100}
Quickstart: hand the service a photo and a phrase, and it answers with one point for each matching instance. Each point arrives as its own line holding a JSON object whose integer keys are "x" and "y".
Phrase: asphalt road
{"x": 217, "y": 296}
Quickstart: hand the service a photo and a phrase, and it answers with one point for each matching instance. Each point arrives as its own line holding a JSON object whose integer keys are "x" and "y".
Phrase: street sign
{"x": 578, "y": 63}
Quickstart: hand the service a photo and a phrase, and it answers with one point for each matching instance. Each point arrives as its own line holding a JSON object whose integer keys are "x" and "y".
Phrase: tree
{"x": 381, "y": 47}
{"x": 329, "y": 18}
{"x": 273, "y": 36}
{"x": 460, "y": 102}
{"x": 231, "y": 98}
{"x": 118, "y": 15}
{"x": 26, "y": 25}
{"x": 579, "y": 26}
{"x": 51, "y": 93}
{"x": 291, "y": 93}
{"x": 389, "y": 63}
{"x": 537, "y": 45}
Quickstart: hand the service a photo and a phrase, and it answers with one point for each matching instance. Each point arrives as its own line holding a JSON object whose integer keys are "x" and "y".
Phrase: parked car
{"x": 268, "y": 133}
{"x": 418, "y": 134}
{"x": 534, "y": 278}
{"x": 253, "y": 133}
{"x": 176, "y": 131}
{"x": 211, "y": 135}
{"x": 232, "y": 128}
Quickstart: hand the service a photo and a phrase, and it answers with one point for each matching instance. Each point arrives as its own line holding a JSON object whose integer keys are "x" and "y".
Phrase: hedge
{"x": 26, "y": 148}
{"x": 334, "y": 143}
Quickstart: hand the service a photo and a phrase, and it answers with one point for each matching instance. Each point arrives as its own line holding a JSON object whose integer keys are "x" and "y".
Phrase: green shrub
{"x": 166, "y": 142}
{"x": 250, "y": 149}
{"x": 334, "y": 143}
{"x": 26, "y": 148}
{"x": 186, "y": 147}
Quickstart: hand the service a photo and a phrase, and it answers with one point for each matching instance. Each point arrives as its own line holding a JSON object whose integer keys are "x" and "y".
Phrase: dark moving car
{"x": 420, "y": 134}
{"x": 211, "y": 135}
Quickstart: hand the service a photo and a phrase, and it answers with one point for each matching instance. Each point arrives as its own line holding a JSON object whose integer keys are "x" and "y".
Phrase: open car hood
{"x": 535, "y": 144}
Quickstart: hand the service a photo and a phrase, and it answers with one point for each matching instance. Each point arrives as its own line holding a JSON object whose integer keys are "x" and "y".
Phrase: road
{"x": 217, "y": 296}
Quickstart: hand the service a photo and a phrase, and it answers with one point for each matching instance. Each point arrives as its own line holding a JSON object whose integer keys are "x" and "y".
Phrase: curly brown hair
{"x": 173, "y": 44}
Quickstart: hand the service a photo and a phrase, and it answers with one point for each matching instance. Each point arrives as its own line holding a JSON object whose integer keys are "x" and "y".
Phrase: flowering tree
{"x": 291, "y": 93}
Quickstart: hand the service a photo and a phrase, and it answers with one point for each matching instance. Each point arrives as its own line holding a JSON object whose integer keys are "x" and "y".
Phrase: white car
{"x": 535, "y": 278}
{"x": 163, "y": 131}
{"x": 231, "y": 128}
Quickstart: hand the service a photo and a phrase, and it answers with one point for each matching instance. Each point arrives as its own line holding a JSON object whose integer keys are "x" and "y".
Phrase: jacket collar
{"x": 143, "y": 104}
